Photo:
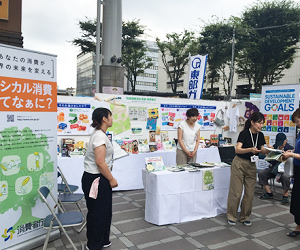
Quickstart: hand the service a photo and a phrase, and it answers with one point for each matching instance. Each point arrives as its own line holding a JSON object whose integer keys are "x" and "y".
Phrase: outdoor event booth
{"x": 144, "y": 127}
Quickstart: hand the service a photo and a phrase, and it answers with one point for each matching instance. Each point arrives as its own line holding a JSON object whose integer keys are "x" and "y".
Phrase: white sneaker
{"x": 247, "y": 223}
{"x": 231, "y": 222}
{"x": 108, "y": 244}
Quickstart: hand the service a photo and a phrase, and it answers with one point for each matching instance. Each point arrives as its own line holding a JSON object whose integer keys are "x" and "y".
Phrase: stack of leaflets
{"x": 221, "y": 164}
{"x": 202, "y": 164}
{"x": 274, "y": 155}
{"x": 175, "y": 168}
{"x": 192, "y": 169}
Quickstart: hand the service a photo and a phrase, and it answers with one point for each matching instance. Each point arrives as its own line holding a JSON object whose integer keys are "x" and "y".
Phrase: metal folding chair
{"x": 68, "y": 197}
{"x": 64, "y": 187}
{"x": 59, "y": 220}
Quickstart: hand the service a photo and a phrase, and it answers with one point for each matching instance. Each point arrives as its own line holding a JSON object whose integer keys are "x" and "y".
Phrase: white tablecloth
{"x": 175, "y": 197}
{"x": 128, "y": 170}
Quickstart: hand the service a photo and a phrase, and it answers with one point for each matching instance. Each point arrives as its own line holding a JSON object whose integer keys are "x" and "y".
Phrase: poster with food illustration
{"x": 173, "y": 114}
{"x": 73, "y": 118}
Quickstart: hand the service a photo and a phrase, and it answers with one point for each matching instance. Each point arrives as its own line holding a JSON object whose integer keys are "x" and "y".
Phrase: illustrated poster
{"x": 207, "y": 179}
{"x": 28, "y": 159}
{"x": 173, "y": 114}
{"x": 278, "y": 103}
{"x": 73, "y": 118}
{"x": 137, "y": 113}
{"x": 154, "y": 163}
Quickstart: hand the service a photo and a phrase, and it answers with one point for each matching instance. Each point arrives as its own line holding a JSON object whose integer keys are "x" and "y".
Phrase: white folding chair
{"x": 59, "y": 220}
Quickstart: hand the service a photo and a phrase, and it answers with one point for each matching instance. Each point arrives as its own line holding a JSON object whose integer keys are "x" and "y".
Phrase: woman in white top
{"x": 188, "y": 135}
{"x": 97, "y": 181}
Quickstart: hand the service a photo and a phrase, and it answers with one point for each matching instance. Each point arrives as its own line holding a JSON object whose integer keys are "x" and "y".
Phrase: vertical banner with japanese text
{"x": 197, "y": 67}
{"x": 278, "y": 103}
{"x": 28, "y": 108}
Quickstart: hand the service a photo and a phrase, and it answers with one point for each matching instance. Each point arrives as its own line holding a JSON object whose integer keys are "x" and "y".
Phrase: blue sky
{"x": 47, "y": 26}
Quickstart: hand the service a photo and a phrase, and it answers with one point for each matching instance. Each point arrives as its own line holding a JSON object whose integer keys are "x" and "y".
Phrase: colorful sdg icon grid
{"x": 278, "y": 123}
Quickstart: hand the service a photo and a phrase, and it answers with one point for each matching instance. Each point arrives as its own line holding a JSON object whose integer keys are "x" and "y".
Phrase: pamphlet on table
{"x": 154, "y": 163}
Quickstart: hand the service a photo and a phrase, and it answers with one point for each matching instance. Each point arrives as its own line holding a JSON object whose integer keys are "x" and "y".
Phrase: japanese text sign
{"x": 197, "y": 67}
{"x": 27, "y": 80}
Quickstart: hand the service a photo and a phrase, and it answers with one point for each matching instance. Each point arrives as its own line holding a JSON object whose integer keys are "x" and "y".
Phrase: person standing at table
{"x": 97, "y": 181}
{"x": 268, "y": 173}
{"x": 250, "y": 142}
{"x": 295, "y": 199}
{"x": 188, "y": 134}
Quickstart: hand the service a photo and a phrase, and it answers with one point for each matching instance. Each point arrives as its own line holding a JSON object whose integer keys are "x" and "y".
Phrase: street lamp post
{"x": 232, "y": 65}
{"x": 98, "y": 38}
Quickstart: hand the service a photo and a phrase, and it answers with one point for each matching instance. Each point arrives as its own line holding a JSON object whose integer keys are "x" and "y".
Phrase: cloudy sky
{"x": 49, "y": 25}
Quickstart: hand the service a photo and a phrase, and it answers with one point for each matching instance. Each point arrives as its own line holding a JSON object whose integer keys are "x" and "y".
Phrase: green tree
{"x": 268, "y": 40}
{"x": 175, "y": 54}
{"x": 25, "y": 166}
{"x": 87, "y": 41}
{"x": 134, "y": 57}
{"x": 216, "y": 41}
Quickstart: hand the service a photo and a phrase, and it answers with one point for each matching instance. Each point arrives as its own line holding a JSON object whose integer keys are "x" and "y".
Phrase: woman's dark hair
{"x": 295, "y": 115}
{"x": 255, "y": 117}
{"x": 192, "y": 112}
{"x": 98, "y": 115}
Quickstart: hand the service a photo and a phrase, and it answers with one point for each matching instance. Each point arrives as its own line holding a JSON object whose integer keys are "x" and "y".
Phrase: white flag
{"x": 197, "y": 67}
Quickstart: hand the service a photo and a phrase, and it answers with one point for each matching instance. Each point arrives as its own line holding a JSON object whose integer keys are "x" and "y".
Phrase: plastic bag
{"x": 220, "y": 121}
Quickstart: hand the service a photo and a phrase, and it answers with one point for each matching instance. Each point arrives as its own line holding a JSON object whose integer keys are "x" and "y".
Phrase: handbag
{"x": 275, "y": 168}
{"x": 219, "y": 121}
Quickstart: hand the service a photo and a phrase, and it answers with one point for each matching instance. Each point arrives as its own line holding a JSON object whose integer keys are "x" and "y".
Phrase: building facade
{"x": 149, "y": 80}
{"x": 86, "y": 74}
{"x": 10, "y": 22}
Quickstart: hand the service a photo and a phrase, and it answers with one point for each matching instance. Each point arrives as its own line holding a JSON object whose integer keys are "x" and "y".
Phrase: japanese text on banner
{"x": 18, "y": 94}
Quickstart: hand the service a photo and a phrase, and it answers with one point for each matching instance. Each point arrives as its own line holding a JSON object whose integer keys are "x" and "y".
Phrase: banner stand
{"x": 35, "y": 242}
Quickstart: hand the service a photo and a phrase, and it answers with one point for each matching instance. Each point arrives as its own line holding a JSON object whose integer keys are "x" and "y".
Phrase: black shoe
{"x": 285, "y": 201}
{"x": 266, "y": 196}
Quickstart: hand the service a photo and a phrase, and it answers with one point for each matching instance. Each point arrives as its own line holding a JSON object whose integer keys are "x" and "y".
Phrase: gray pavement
{"x": 271, "y": 222}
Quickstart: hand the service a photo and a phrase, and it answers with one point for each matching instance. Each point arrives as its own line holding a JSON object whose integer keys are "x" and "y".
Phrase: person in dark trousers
{"x": 243, "y": 169}
{"x": 271, "y": 172}
{"x": 97, "y": 181}
{"x": 295, "y": 199}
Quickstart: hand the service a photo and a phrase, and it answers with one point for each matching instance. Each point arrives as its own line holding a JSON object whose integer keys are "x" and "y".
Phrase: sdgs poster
{"x": 28, "y": 107}
{"x": 278, "y": 103}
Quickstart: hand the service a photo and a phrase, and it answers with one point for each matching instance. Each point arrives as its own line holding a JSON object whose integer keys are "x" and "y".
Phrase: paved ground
{"x": 271, "y": 222}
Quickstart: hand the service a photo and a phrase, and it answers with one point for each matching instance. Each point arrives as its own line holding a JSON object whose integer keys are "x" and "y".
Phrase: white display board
{"x": 28, "y": 106}
{"x": 138, "y": 110}
{"x": 159, "y": 103}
